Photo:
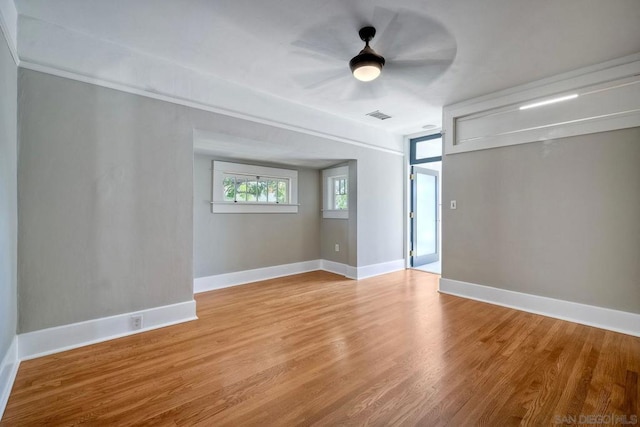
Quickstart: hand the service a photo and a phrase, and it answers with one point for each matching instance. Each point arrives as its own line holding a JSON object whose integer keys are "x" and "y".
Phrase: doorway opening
{"x": 426, "y": 208}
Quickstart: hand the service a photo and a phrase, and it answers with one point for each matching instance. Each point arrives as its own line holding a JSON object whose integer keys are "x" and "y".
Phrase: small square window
{"x": 336, "y": 192}
{"x": 340, "y": 197}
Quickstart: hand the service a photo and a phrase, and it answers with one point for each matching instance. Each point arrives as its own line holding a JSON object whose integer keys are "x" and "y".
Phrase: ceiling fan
{"x": 413, "y": 49}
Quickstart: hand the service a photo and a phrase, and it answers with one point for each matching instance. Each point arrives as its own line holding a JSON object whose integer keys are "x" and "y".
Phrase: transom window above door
{"x": 425, "y": 149}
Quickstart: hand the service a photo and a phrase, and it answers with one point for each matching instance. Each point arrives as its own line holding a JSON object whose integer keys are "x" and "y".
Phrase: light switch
{"x": 453, "y": 204}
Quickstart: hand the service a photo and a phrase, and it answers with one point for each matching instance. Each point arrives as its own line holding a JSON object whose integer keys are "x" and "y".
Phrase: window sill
{"x": 223, "y": 207}
{"x": 336, "y": 214}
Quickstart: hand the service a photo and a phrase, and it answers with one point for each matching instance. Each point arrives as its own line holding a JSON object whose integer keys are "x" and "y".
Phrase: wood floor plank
{"x": 318, "y": 349}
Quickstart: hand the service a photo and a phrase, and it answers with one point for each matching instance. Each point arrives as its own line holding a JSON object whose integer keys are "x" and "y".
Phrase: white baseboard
{"x": 345, "y": 270}
{"x": 363, "y": 272}
{"x": 219, "y": 281}
{"x": 599, "y": 317}
{"x": 8, "y": 371}
{"x": 378, "y": 269}
{"x": 334, "y": 267}
{"x": 66, "y": 337}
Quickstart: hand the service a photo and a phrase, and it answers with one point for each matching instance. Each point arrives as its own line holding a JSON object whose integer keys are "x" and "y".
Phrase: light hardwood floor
{"x": 319, "y": 349}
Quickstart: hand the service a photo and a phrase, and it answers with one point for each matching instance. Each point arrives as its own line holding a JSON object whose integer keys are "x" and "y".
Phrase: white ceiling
{"x": 284, "y": 50}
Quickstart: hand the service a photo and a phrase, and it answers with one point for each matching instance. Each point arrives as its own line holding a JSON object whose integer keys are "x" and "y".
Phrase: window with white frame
{"x": 245, "y": 188}
{"x": 340, "y": 195}
{"x": 335, "y": 192}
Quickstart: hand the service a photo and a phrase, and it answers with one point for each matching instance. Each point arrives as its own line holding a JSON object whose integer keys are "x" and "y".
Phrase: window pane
{"x": 429, "y": 148}
{"x": 251, "y": 190}
{"x": 241, "y": 190}
{"x": 283, "y": 191}
{"x": 272, "y": 188}
{"x": 229, "y": 185}
{"x": 427, "y": 214}
{"x": 261, "y": 191}
{"x": 340, "y": 186}
{"x": 340, "y": 197}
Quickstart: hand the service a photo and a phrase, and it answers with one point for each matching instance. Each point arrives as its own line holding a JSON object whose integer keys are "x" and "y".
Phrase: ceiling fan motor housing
{"x": 367, "y": 56}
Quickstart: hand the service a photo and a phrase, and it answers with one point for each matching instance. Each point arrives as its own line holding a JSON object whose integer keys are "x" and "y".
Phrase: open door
{"x": 424, "y": 216}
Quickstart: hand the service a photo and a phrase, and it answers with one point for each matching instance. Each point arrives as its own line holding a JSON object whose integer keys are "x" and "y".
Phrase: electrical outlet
{"x": 136, "y": 321}
{"x": 337, "y": 247}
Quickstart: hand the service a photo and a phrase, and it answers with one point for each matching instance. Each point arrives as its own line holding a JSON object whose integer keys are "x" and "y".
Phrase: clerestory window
{"x": 245, "y": 188}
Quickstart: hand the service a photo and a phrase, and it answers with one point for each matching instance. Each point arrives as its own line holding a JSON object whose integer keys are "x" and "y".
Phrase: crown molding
{"x": 47, "y": 69}
{"x": 9, "y": 27}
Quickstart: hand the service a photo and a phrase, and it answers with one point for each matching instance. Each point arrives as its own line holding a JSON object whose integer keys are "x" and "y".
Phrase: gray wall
{"x": 334, "y": 231}
{"x": 8, "y": 198}
{"x": 374, "y": 231}
{"x": 559, "y": 219}
{"x": 105, "y": 202}
{"x": 224, "y": 243}
{"x": 342, "y": 231}
{"x": 380, "y": 202}
{"x": 106, "y": 199}
{"x": 376, "y": 210}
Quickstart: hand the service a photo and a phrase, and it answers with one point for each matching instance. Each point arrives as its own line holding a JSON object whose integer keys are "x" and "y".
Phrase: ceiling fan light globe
{"x": 367, "y": 72}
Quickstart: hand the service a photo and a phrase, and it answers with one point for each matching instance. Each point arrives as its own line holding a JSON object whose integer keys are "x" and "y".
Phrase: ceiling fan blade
{"x": 387, "y": 24}
{"x": 323, "y": 46}
{"x": 333, "y": 38}
{"x": 315, "y": 56}
{"x": 447, "y": 53}
{"x": 314, "y": 79}
{"x": 418, "y": 70}
{"x": 400, "y": 64}
{"x": 358, "y": 91}
{"x": 407, "y": 34}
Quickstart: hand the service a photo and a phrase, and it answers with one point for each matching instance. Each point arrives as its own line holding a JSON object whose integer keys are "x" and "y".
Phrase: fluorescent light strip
{"x": 549, "y": 101}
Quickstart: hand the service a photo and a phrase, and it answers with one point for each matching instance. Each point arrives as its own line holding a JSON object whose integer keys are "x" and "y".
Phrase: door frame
{"x": 410, "y": 157}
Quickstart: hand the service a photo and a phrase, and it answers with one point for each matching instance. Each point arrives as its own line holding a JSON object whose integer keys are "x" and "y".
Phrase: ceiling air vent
{"x": 378, "y": 115}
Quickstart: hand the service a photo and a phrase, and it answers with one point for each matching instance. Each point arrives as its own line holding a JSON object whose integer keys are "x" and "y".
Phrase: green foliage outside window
{"x": 255, "y": 189}
{"x": 340, "y": 196}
